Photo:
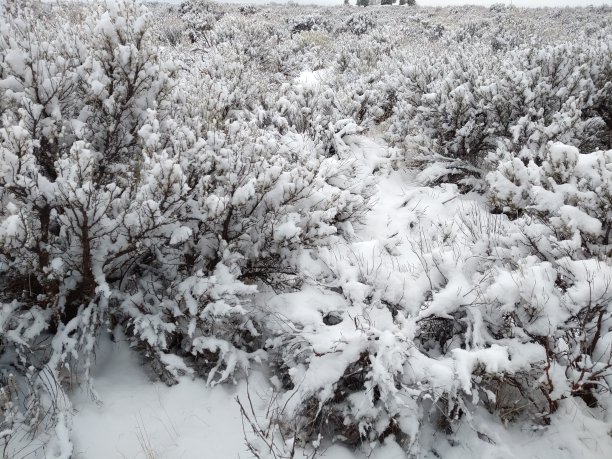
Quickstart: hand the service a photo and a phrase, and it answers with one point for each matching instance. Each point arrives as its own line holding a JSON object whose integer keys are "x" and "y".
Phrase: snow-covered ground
{"x": 136, "y": 418}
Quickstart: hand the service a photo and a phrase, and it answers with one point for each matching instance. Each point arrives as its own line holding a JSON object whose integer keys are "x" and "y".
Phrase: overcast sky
{"x": 517, "y": 2}
{"x": 533, "y": 3}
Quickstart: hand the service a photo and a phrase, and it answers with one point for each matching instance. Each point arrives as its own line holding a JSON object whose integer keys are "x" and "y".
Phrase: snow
{"x": 310, "y": 79}
{"x": 16, "y": 61}
{"x": 575, "y": 218}
{"x": 180, "y": 234}
{"x": 134, "y": 417}
{"x": 12, "y": 227}
{"x": 385, "y": 253}
{"x": 244, "y": 193}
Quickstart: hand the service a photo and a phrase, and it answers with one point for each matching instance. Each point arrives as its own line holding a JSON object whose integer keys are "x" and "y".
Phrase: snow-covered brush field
{"x": 278, "y": 232}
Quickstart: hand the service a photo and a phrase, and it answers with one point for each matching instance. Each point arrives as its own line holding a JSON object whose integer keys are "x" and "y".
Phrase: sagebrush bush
{"x": 127, "y": 203}
{"x": 185, "y": 183}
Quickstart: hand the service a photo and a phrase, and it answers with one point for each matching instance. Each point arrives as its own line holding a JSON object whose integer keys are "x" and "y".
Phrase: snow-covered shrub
{"x": 340, "y": 368}
{"x": 564, "y": 177}
{"x": 560, "y": 292}
{"x": 74, "y": 101}
{"x": 199, "y": 199}
{"x": 507, "y": 316}
{"x": 34, "y": 416}
{"x": 128, "y": 202}
{"x": 170, "y": 29}
{"x": 520, "y": 307}
{"x": 524, "y": 312}
{"x": 308, "y": 24}
{"x": 260, "y": 206}
{"x": 248, "y": 10}
{"x": 458, "y": 109}
{"x": 358, "y": 24}
{"x": 199, "y": 18}
{"x": 499, "y": 8}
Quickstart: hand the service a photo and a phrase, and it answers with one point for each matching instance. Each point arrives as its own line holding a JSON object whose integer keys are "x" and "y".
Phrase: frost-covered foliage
{"x": 127, "y": 202}
{"x": 559, "y": 291}
{"x": 193, "y": 180}
{"x": 460, "y": 107}
{"x": 502, "y": 75}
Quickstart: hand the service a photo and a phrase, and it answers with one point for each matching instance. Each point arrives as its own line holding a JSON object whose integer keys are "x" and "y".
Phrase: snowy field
{"x": 235, "y": 231}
